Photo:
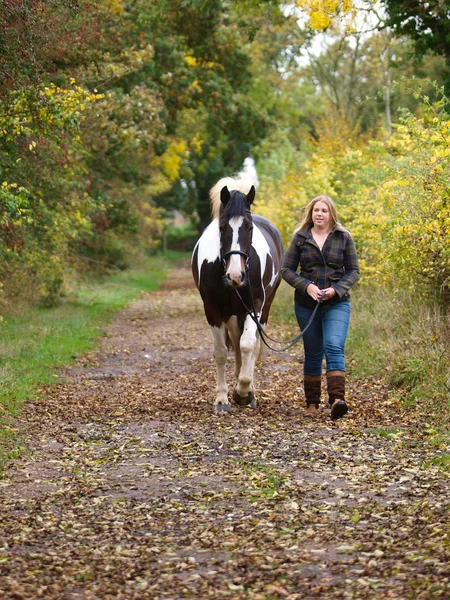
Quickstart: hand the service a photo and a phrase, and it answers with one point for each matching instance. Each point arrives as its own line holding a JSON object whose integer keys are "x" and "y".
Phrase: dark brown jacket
{"x": 336, "y": 265}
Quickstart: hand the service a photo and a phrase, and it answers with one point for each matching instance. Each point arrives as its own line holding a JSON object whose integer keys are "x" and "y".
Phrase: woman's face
{"x": 321, "y": 215}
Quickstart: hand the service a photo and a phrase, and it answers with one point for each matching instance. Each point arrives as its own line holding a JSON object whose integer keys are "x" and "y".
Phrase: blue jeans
{"x": 326, "y": 335}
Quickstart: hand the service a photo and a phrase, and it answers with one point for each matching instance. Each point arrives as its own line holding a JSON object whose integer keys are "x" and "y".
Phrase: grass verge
{"x": 35, "y": 341}
{"x": 400, "y": 338}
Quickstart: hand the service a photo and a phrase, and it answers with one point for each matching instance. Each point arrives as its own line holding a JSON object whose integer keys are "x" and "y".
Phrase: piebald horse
{"x": 236, "y": 268}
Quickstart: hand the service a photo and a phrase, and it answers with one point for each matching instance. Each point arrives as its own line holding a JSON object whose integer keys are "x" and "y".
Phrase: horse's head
{"x": 236, "y": 228}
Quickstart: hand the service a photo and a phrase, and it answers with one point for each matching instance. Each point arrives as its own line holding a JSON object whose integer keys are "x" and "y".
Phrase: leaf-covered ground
{"x": 132, "y": 488}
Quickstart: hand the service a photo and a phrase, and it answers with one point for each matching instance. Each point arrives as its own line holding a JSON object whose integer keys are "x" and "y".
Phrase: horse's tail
{"x": 242, "y": 183}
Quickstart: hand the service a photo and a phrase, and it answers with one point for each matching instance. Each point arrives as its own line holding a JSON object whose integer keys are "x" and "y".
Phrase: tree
{"x": 112, "y": 112}
{"x": 228, "y": 120}
{"x": 426, "y": 23}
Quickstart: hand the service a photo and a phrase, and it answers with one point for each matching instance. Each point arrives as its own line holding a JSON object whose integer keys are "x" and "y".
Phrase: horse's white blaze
{"x": 235, "y": 263}
{"x": 208, "y": 246}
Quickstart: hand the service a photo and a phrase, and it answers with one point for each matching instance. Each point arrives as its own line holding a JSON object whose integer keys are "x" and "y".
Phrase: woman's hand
{"x": 313, "y": 291}
{"x": 328, "y": 293}
{"x": 316, "y": 293}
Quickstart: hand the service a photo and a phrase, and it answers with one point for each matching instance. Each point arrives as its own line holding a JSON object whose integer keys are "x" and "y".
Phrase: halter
{"x": 225, "y": 255}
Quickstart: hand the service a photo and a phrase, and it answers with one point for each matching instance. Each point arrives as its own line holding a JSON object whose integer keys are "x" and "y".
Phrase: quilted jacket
{"x": 336, "y": 265}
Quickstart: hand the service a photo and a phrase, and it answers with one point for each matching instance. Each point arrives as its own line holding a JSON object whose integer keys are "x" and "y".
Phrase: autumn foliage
{"x": 112, "y": 114}
{"x": 392, "y": 194}
{"x": 104, "y": 107}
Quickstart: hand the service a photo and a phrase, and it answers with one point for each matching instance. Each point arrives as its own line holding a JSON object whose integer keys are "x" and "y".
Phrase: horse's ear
{"x": 251, "y": 195}
{"x": 224, "y": 195}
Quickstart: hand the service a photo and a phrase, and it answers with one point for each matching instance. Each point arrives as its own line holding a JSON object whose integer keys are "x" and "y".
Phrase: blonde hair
{"x": 241, "y": 183}
{"x": 307, "y": 216}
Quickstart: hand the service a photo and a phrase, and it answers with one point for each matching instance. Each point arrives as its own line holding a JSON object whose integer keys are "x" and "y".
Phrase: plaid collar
{"x": 306, "y": 231}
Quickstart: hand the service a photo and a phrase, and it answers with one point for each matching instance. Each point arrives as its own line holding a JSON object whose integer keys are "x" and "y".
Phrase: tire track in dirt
{"x": 132, "y": 488}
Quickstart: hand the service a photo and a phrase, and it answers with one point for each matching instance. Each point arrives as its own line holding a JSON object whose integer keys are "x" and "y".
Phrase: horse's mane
{"x": 242, "y": 184}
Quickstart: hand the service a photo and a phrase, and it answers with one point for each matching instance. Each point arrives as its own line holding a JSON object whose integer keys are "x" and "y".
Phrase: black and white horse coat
{"x": 236, "y": 267}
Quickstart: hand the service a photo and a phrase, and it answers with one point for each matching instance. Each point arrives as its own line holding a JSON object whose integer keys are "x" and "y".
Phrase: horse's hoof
{"x": 221, "y": 408}
{"x": 247, "y": 401}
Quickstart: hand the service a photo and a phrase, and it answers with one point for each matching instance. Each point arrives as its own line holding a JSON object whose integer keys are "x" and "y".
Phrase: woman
{"x": 329, "y": 267}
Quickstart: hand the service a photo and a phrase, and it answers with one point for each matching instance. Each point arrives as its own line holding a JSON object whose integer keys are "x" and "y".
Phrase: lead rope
{"x": 264, "y": 336}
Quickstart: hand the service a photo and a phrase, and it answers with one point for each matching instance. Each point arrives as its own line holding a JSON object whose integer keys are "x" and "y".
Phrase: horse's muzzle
{"x": 235, "y": 282}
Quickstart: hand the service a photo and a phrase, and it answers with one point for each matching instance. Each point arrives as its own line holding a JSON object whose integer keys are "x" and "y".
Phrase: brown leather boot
{"x": 312, "y": 385}
{"x": 336, "y": 394}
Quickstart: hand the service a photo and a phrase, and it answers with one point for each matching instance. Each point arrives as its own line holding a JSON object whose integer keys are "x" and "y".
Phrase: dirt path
{"x": 132, "y": 488}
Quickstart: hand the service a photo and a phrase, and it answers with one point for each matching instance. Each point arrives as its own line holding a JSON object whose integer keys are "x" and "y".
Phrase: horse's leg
{"x": 221, "y": 403}
{"x": 250, "y": 345}
{"x": 262, "y": 354}
{"x": 235, "y": 335}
